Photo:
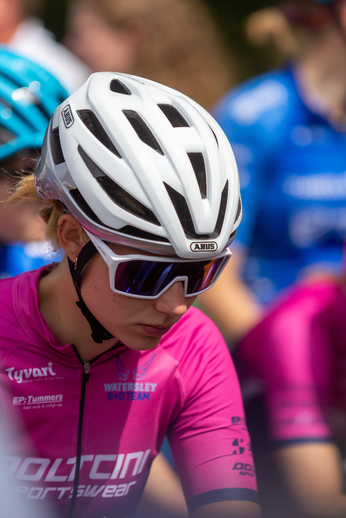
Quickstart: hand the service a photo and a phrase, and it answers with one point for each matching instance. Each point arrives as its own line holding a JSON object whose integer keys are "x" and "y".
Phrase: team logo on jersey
{"x": 67, "y": 116}
{"x": 138, "y": 374}
{"x": 208, "y": 246}
{"x": 128, "y": 387}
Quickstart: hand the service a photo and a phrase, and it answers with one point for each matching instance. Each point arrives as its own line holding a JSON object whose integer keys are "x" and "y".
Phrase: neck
{"x": 57, "y": 301}
{"x": 322, "y": 75}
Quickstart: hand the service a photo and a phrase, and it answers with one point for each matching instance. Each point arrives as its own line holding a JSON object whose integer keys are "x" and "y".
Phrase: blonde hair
{"x": 182, "y": 49}
{"x": 24, "y": 193}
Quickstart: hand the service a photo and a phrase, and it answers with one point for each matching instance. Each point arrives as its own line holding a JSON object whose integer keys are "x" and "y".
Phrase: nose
{"x": 172, "y": 301}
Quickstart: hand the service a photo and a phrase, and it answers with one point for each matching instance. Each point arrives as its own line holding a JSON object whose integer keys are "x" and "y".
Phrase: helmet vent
{"x": 142, "y": 130}
{"x": 117, "y": 194}
{"x": 95, "y": 127}
{"x": 5, "y": 136}
{"x": 30, "y": 126}
{"x": 184, "y": 215}
{"x": 231, "y": 238}
{"x": 84, "y": 207}
{"x": 137, "y": 232}
{"x": 174, "y": 116}
{"x": 197, "y": 162}
{"x": 119, "y": 88}
{"x": 238, "y": 210}
{"x": 55, "y": 146}
{"x": 213, "y": 132}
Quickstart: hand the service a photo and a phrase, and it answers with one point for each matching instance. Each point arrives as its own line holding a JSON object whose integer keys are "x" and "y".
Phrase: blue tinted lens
{"x": 149, "y": 278}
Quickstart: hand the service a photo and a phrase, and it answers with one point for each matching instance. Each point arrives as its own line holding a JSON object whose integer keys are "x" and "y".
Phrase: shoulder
{"x": 9, "y": 321}
{"x": 199, "y": 350}
{"x": 6, "y": 291}
{"x": 194, "y": 332}
{"x": 18, "y": 299}
{"x": 264, "y": 100}
{"x": 308, "y": 301}
{"x": 289, "y": 321}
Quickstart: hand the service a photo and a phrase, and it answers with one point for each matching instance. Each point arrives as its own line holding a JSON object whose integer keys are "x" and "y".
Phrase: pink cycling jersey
{"x": 298, "y": 354}
{"x": 82, "y": 435}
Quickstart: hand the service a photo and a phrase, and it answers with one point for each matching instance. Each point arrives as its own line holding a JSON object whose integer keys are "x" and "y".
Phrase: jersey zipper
{"x": 85, "y": 379}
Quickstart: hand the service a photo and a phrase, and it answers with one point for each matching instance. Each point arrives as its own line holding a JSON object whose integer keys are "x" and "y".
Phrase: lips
{"x": 156, "y": 331}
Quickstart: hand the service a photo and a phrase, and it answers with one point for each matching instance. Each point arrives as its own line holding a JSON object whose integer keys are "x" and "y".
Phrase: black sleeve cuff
{"x": 301, "y": 440}
{"x": 222, "y": 495}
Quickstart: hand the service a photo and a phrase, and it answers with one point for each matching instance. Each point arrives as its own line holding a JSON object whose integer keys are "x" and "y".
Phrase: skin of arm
{"x": 230, "y": 303}
{"x": 313, "y": 474}
{"x": 163, "y": 494}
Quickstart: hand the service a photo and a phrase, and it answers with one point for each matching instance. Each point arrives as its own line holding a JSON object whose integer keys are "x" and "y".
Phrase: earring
{"x": 71, "y": 253}
{"x": 75, "y": 264}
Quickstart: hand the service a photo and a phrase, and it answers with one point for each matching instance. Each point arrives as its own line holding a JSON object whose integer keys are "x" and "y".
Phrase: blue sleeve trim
{"x": 301, "y": 440}
{"x": 222, "y": 495}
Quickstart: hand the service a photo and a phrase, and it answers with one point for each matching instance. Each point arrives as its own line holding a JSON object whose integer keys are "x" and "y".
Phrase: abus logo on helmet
{"x": 208, "y": 246}
{"x": 67, "y": 116}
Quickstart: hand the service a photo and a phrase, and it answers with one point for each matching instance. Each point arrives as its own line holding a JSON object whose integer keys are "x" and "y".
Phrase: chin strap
{"x": 98, "y": 332}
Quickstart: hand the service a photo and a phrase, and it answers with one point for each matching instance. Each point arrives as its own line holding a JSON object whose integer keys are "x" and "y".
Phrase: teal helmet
{"x": 28, "y": 97}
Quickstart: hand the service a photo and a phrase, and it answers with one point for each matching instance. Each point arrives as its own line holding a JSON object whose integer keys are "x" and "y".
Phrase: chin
{"x": 142, "y": 345}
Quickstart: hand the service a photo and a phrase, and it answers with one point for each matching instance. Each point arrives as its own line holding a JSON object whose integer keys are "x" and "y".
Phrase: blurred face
{"x": 138, "y": 323}
{"x": 94, "y": 41}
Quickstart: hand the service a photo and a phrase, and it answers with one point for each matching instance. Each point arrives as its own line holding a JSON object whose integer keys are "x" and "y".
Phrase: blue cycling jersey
{"x": 21, "y": 257}
{"x": 292, "y": 166}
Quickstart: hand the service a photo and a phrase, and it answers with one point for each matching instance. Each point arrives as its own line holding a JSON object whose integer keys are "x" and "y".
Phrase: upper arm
{"x": 209, "y": 439}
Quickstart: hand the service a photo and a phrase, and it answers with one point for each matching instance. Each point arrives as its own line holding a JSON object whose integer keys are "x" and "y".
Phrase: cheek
{"x": 190, "y": 301}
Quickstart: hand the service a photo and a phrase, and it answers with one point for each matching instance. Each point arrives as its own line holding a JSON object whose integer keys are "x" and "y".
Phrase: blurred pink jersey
{"x": 298, "y": 355}
{"x": 83, "y": 435}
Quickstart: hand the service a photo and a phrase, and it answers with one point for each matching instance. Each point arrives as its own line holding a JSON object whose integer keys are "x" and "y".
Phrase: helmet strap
{"x": 98, "y": 332}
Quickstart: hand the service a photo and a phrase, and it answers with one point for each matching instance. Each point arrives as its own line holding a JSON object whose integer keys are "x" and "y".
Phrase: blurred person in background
{"x": 293, "y": 371}
{"x": 174, "y": 42}
{"x": 24, "y": 32}
{"x": 28, "y": 97}
{"x": 287, "y": 128}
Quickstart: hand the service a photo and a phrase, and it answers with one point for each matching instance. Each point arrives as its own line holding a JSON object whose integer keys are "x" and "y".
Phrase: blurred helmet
{"x": 28, "y": 97}
{"x": 140, "y": 164}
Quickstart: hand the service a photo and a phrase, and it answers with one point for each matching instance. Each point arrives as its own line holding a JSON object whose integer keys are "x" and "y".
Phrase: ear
{"x": 71, "y": 234}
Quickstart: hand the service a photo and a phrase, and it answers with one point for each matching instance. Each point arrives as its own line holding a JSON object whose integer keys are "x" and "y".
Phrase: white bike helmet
{"x": 140, "y": 164}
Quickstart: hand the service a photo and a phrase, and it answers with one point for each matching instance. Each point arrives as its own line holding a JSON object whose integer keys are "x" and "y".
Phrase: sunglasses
{"x": 147, "y": 277}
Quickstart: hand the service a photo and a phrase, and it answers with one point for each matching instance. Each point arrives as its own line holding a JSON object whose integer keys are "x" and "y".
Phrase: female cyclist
{"x": 100, "y": 357}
